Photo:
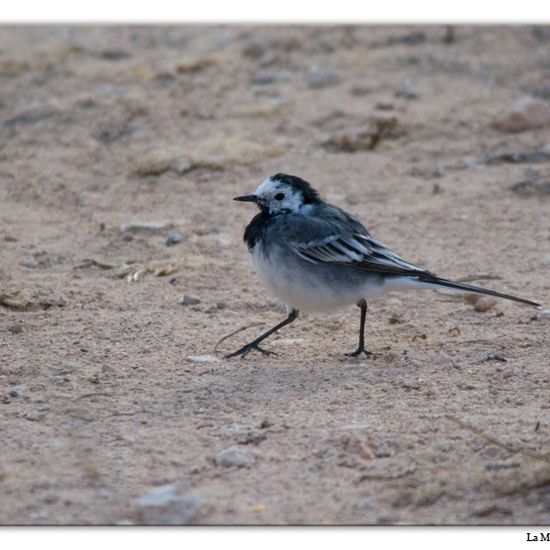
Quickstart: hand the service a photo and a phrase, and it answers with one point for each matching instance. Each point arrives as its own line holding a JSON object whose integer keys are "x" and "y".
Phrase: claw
{"x": 359, "y": 351}
{"x": 245, "y": 350}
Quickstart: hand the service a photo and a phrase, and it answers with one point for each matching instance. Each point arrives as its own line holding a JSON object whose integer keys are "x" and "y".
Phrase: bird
{"x": 315, "y": 257}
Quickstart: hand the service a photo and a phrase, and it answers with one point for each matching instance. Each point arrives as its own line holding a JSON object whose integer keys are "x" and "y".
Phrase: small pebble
{"x": 31, "y": 263}
{"x": 225, "y": 38}
{"x": 145, "y": 227}
{"x": 360, "y": 88}
{"x": 203, "y": 359}
{"x": 368, "y": 503}
{"x": 168, "y": 505}
{"x": 189, "y": 300}
{"x": 254, "y": 49}
{"x": 441, "y": 358}
{"x": 114, "y": 55}
{"x": 16, "y": 391}
{"x": 35, "y": 416}
{"x": 480, "y": 303}
{"x": 526, "y": 114}
{"x": 258, "y": 508}
{"x": 195, "y": 64}
{"x": 173, "y": 239}
{"x": 156, "y": 162}
{"x": 232, "y": 456}
{"x": 263, "y": 78}
{"x": 322, "y": 78}
{"x": 366, "y": 137}
{"x": 544, "y": 314}
{"x": 15, "y": 329}
{"x": 494, "y": 356}
{"x": 406, "y": 92}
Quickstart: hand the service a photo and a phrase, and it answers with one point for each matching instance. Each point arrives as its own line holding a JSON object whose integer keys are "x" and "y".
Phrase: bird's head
{"x": 282, "y": 193}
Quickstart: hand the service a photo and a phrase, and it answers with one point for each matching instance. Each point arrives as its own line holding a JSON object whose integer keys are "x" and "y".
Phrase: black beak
{"x": 247, "y": 198}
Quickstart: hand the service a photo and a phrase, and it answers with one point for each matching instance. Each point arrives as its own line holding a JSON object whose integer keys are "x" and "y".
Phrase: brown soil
{"x": 102, "y": 395}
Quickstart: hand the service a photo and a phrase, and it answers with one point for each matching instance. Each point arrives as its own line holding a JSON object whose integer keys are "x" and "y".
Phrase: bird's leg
{"x": 246, "y": 349}
{"x": 361, "y": 348}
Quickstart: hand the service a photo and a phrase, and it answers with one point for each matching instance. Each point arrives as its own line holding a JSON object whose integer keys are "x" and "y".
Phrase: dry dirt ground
{"x": 111, "y": 386}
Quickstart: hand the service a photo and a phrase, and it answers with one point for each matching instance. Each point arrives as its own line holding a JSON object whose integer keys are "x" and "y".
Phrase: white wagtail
{"x": 315, "y": 257}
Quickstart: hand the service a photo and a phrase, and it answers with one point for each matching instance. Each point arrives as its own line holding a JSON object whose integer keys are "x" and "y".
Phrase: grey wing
{"x": 341, "y": 239}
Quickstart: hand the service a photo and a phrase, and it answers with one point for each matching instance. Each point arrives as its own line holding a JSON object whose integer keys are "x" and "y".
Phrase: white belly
{"x": 302, "y": 288}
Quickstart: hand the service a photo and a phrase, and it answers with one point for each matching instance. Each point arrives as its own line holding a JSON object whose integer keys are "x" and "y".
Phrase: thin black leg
{"x": 361, "y": 348}
{"x": 246, "y": 349}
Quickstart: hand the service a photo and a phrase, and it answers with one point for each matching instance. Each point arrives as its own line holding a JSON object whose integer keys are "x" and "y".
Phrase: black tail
{"x": 475, "y": 289}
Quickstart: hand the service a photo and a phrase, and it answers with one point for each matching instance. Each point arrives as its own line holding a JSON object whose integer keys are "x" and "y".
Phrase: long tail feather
{"x": 436, "y": 281}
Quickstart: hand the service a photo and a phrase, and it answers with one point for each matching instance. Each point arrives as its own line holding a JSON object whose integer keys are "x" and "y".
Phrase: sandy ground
{"x": 105, "y": 390}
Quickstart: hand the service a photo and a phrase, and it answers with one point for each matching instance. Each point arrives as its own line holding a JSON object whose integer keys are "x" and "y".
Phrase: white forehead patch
{"x": 292, "y": 199}
{"x": 266, "y": 187}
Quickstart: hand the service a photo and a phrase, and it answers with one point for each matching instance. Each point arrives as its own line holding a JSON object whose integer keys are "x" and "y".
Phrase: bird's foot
{"x": 359, "y": 351}
{"x": 246, "y": 349}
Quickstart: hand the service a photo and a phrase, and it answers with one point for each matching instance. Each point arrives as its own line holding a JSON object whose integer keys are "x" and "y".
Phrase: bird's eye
{"x": 279, "y": 196}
